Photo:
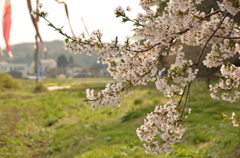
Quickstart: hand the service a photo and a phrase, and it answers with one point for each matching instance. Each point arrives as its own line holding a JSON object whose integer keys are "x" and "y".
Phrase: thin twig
{"x": 208, "y": 40}
{"x": 198, "y": 61}
{"x": 227, "y": 37}
{"x": 182, "y": 32}
{"x": 64, "y": 34}
{"x": 213, "y": 13}
{"x": 187, "y": 100}
{"x": 179, "y": 103}
{"x": 145, "y": 50}
{"x": 67, "y": 14}
{"x": 33, "y": 20}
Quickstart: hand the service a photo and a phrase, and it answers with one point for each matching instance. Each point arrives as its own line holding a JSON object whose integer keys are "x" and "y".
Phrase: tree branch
{"x": 196, "y": 65}
{"x": 213, "y": 13}
{"x": 208, "y": 40}
{"x": 182, "y": 32}
{"x": 227, "y": 37}
{"x": 149, "y": 48}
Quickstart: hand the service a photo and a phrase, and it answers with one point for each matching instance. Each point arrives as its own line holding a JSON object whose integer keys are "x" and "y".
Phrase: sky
{"x": 97, "y": 14}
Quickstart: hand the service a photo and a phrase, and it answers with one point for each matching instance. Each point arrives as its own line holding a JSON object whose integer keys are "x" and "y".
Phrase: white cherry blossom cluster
{"x": 213, "y": 59}
{"x": 120, "y": 10}
{"x": 227, "y": 88}
{"x": 111, "y": 96}
{"x": 146, "y": 4}
{"x": 198, "y": 1}
{"x": 231, "y": 6}
{"x": 178, "y": 76}
{"x": 221, "y": 52}
{"x": 164, "y": 121}
{"x": 200, "y": 29}
{"x": 134, "y": 68}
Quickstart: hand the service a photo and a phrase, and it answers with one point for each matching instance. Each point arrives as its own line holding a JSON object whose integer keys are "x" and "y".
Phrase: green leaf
{"x": 66, "y": 40}
{"x": 118, "y": 14}
{"x": 229, "y": 64}
{"x": 136, "y": 24}
{"x": 124, "y": 20}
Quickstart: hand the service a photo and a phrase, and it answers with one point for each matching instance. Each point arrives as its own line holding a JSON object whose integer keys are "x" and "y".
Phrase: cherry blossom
{"x": 138, "y": 62}
{"x": 164, "y": 121}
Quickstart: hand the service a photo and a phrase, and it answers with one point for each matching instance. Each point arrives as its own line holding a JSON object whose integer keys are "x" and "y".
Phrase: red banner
{"x": 7, "y": 25}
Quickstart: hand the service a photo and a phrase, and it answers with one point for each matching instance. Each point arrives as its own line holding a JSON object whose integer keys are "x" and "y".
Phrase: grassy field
{"x": 57, "y": 124}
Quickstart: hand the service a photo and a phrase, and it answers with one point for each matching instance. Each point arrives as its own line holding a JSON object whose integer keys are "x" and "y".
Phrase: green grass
{"x": 57, "y": 124}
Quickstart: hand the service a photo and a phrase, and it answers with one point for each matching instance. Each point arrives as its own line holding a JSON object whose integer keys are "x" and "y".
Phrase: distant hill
{"x": 23, "y": 53}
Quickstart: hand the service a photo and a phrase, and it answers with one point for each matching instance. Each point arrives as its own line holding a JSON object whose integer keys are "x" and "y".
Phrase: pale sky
{"x": 97, "y": 14}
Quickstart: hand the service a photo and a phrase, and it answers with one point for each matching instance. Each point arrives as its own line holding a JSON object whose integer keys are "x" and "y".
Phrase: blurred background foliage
{"x": 57, "y": 124}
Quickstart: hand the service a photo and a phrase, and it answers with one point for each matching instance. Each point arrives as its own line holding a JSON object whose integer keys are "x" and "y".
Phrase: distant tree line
{"x": 62, "y": 61}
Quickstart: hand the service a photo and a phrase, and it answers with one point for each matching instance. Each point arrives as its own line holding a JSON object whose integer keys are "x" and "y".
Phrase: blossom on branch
{"x": 227, "y": 88}
{"x": 141, "y": 61}
{"x": 112, "y": 95}
{"x": 164, "y": 121}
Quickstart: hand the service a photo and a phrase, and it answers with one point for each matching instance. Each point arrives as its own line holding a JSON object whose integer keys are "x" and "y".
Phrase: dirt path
{"x": 9, "y": 118}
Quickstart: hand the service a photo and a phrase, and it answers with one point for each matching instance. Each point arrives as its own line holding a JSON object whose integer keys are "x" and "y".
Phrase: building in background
{"x": 10, "y": 68}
